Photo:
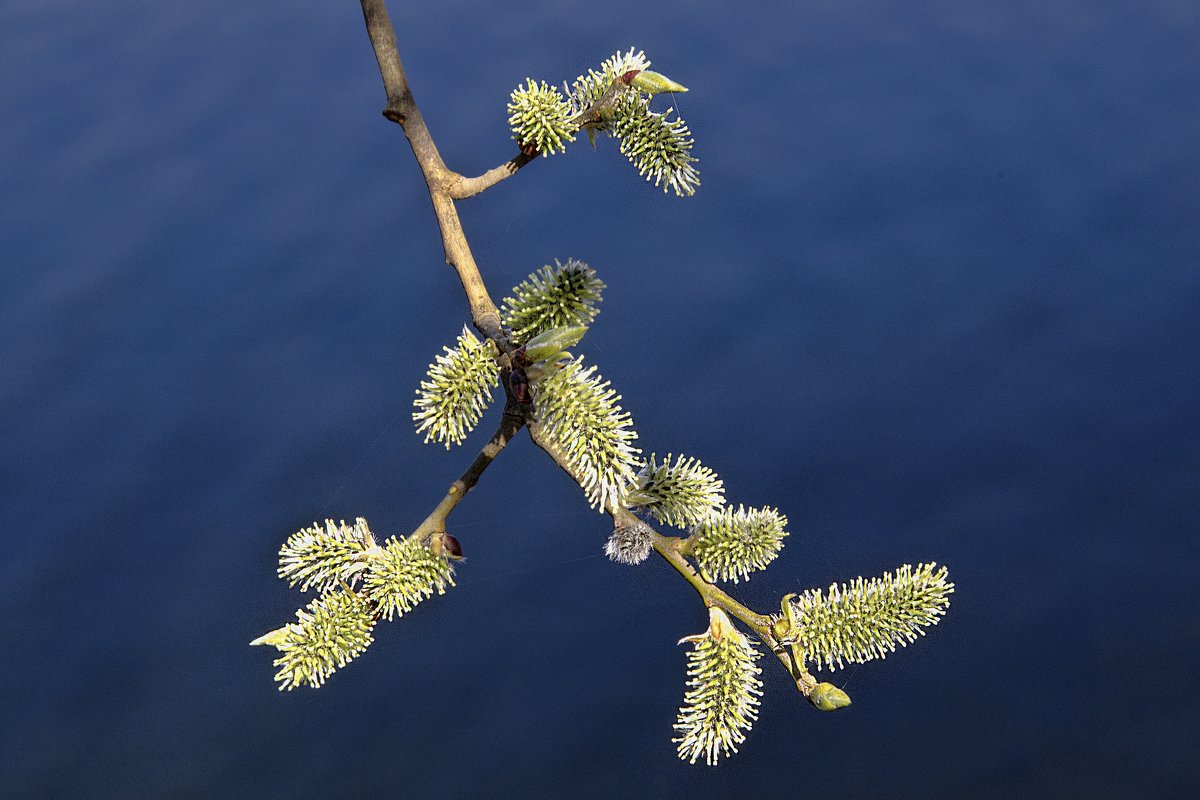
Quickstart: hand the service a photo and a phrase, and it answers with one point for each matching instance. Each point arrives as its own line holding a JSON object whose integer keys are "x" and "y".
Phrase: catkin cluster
{"x": 358, "y": 582}
{"x": 613, "y": 100}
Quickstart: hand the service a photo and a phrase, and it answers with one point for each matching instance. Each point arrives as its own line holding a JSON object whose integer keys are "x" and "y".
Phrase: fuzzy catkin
{"x": 867, "y": 619}
{"x": 721, "y": 702}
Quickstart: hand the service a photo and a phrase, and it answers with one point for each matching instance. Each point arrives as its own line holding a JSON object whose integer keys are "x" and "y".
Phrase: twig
{"x": 402, "y": 109}
{"x": 462, "y": 187}
{"x": 510, "y": 424}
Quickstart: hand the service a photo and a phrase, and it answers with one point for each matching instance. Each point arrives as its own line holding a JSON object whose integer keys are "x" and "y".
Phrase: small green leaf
{"x": 274, "y": 638}
{"x": 549, "y": 345}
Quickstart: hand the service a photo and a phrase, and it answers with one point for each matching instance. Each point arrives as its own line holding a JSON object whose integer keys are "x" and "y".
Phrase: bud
{"x": 518, "y": 383}
{"x": 450, "y": 547}
{"x": 652, "y": 82}
{"x": 827, "y": 697}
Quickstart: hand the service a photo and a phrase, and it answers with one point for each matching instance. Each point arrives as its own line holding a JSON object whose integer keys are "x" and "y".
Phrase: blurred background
{"x": 936, "y": 299}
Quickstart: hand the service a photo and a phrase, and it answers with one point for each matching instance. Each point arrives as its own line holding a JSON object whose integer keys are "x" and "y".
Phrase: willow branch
{"x": 446, "y": 186}
{"x": 462, "y": 187}
{"x": 510, "y": 424}
{"x": 402, "y": 109}
{"x": 669, "y": 547}
{"x": 713, "y": 595}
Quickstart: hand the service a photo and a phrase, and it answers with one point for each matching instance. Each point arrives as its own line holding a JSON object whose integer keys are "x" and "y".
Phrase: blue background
{"x": 936, "y": 299}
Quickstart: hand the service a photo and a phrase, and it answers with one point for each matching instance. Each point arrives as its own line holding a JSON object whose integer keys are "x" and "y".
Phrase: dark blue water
{"x": 937, "y": 298}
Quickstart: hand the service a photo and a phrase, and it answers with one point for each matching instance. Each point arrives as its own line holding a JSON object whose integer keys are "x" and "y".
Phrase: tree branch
{"x": 402, "y": 109}
{"x": 445, "y": 186}
{"x": 511, "y": 423}
{"x": 669, "y": 547}
{"x": 462, "y": 187}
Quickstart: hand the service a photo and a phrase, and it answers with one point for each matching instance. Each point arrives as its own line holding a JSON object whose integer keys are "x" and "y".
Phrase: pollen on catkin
{"x": 657, "y": 144}
{"x": 459, "y": 387}
{"x": 730, "y": 544}
{"x": 558, "y": 296}
{"x": 721, "y": 701}
{"x": 680, "y": 492}
{"x": 321, "y": 558}
{"x": 866, "y": 619}
{"x": 587, "y": 89}
{"x": 405, "y": 573}
{"x": 540, "y": 117}
{"x": 580, "y": 418}
{"x": 332, "y": 631}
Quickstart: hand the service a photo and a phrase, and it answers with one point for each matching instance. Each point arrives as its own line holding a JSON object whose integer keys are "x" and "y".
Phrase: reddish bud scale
{"x": 452, "y": 546}
{"x": 519, "y": 383}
